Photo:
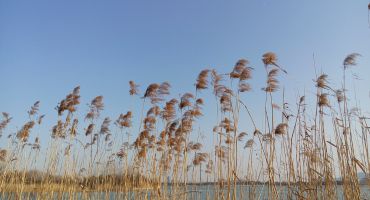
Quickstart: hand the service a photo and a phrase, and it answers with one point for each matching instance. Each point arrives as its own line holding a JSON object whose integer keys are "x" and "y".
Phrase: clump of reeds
{"x": 303, "y": 151}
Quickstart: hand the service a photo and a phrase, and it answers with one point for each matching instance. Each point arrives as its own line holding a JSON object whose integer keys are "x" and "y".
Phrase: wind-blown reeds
{"x": 298, "y": 155}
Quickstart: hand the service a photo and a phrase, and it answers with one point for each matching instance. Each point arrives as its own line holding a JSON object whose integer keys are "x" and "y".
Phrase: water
{"x": 201, "y": 192}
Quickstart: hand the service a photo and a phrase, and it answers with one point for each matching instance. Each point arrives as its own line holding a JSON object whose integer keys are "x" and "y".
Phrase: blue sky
{"x": 47, "y": 48}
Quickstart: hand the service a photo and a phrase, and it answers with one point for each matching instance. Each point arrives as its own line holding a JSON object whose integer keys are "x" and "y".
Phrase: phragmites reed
{"x": 97, "y": 103}
{"x": 228, "y": 125}
{"x": 360, "y": 164}
{"x": 96, "y": 106}
{"x": 121, "y": 153}
{"x": 164, "y": 88}
{"x": 155, "y": 110}
{"x": 4, "y": 122}
{"x": 216, "y": 78}
{"x": 36, "y": 145}
{"x": 57, "y": 130}
{"x": 323, "y": 100}
{"x": 202, "y": 82}
{"x": 321, "y": 81}
{"x": 67, "y": 150}
{"x": 199, "y": 101}
{"x": 340, "y": 96}
{"x": 242, "y": 72}
{"x": 73, "y": 129}
{"x": 350, "y": 60}
{"x": 70, "y": 102}
{"x": 24, "y": 133}
{"x": 185, "y": 100}
{"x": 142, "y": 153}
{"x": 104, "y": 128}
{"x": 257, "y": 132}
{"x": 124, "y": 120}
{"x": 244, "y": 87}
{"x": 281, "y": 129}
{"x": 209, "y": 167}
{"x": 89, "y": 129}
{"x": 249, "y": 143}
{"x": 221, "y": 152}
{"x": 194, "y": 146}
{"x": 3, "y": 154}
{"x": 169, "y": 111}
{"x": 246, "y": 73}
{"x": 272, "y": 82}
{"x": 270, "y": 58}
{"x": 150, "y": 119}
{"x": 156, "y": 91}
{"x": 267, "y": 137}
{"x": 39, "y": 120}
{"x": 199, "y": 158}
{"x": 151, "y": 90}
{"x": 298, "y": 158}
{"x": 241, "y": 136}
{"x": 196, "y": 111}
{"x": 133, "y": 88}
{"x": 34, "y": 108}
{"x": 238, "y": 68}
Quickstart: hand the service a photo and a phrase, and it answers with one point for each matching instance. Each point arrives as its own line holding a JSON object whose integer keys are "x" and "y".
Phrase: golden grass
{"x": 305, "y": 152}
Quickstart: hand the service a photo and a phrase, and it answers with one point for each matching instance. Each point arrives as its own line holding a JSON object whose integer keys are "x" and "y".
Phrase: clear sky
{"x": 49, "y": 47}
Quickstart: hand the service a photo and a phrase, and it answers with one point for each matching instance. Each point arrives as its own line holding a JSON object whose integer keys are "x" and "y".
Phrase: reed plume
{"x": 124, "y": 120}
{"x": 238, "y": 68}
{"x": 321, "y": 81}
{"x": 133, "y": 88}
{"x": 89, "y": 129}
{"x": 156, "y": 92}
{"x": 241, "y": 136}
{"x": 3, "y": 153}
{"x": 186, "y": 100}
{"x": 4, "y": 122}
{"x": 281, "y": 129}
{"x": 104, "y": 128}
{"x": 24, "y": 133}
{"x": 96, "y": 106}
{"x": 34, "y": 108}
{"x": 323, "y": 100}
{"x": 73, "y": 129}
{"x": 70, "y": 102}
{"x": 350, "y": 60}
{"x": 272, "y": 82}
{"x": 249, "y": 143}
{"x": 169, "y": 111}
{"x": 58, "y": 130}
{"x": 202, "y": 82}
{"x": 39, "y": 120}
{"x": 270, "y": 58}
{"x": 200, "y": 158}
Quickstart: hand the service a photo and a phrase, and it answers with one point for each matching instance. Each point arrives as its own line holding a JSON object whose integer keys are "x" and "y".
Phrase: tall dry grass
{"x": 295, "y": 154}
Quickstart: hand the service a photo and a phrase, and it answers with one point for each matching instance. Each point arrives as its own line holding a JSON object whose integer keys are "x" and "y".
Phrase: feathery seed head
{"x": 350, "y": 60}
{"x": 321, "y": 81}
{"x": 202, "y": 82}
{"x": 269, "y": 58}
{"x": 281, "y": 129}
{"x": 133, "y": 88}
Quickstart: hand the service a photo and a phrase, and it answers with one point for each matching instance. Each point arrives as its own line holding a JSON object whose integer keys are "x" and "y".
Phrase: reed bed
{"x": 302, "y": 150}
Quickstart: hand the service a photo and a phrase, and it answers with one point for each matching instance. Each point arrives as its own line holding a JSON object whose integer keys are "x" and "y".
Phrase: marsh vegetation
{"x": 303, "y": 150}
